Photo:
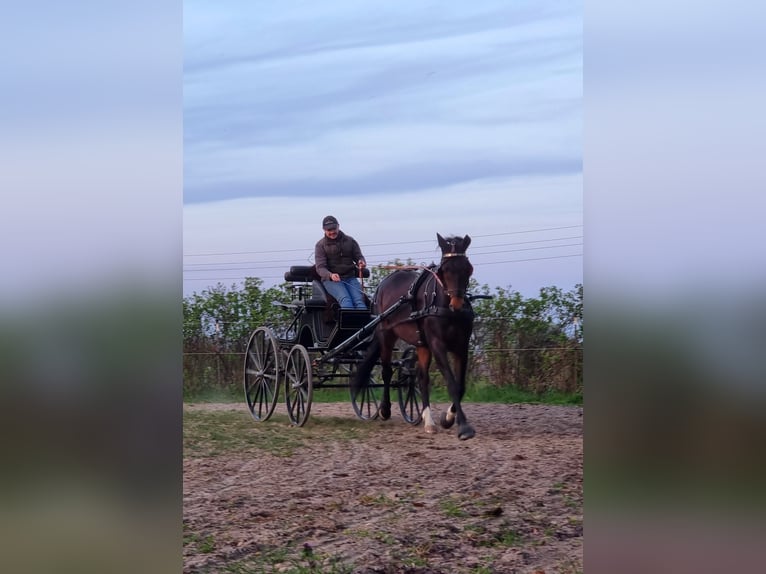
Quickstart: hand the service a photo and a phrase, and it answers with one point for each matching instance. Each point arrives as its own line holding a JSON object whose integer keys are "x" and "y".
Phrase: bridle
{"x": 460, "y": 293}
{"x": 434, "y": 272}
{"x": 423, "y": 280}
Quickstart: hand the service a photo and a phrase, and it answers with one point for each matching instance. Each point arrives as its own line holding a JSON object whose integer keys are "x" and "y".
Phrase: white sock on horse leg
{"x": 428, "y": 421}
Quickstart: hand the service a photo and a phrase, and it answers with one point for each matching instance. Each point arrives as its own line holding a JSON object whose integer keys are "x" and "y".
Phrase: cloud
{"x": 402, "y": 119}
{"x": 349, "y": 93}
{"x": 402, "y": 178}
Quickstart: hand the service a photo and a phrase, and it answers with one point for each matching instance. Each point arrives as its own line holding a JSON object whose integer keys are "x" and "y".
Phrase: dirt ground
{"x": 507, "y": 501}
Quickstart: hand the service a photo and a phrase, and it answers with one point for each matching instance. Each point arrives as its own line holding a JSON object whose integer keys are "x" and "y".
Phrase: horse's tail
{"x": 367, "y": 365}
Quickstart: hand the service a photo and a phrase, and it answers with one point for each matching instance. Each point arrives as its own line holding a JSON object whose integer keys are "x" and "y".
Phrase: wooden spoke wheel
{"x": 262, "y": 372}
{"x": 299, "y": 386}
{"x": 408, "y": 389}
{"x": 366, "y": 400}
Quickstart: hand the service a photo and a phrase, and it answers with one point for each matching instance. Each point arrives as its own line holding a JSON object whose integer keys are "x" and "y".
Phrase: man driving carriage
{"x": 338, "y": 260}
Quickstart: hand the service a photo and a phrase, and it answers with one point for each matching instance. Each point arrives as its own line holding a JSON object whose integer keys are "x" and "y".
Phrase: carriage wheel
{"x": 299, "y": 387}
{"x": 366, "y": 401}
{"x": 262, "y": 373}
{"x": 406, "y": 377}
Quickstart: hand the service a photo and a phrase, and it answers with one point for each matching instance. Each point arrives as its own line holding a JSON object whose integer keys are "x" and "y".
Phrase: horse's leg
{"x": 448, "y": 417}
{"x": 456, "y": 389}
{"x": 424, "y": 363}
{"x": 465, "y": 430}
{"x": 386, "y": 351}
{"x": 385, "y": 363}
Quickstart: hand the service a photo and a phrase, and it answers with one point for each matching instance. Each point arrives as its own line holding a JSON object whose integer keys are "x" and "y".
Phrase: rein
{"x": 431, "y": 310}
{"x": 433, "y": 272}
{"x": 414, "y": 267}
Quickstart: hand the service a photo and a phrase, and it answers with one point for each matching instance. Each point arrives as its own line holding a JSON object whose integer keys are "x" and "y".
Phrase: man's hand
{"x": 335, "y": 277}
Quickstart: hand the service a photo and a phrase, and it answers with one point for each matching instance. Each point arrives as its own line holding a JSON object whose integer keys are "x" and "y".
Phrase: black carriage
{"x": 321, "y": 348}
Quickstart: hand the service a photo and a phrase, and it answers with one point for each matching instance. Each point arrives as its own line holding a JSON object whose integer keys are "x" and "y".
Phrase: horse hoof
{"x": 466, "y": 432}
{"x": 385, "y": 413}
{"x": 446, "y": 422}
{"x": 430, "y": 429}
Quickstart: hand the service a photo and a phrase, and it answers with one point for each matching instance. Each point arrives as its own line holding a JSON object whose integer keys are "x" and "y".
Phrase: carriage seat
{"x": 308, "y": 274}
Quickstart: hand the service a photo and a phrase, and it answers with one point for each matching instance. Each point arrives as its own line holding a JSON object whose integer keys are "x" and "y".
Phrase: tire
{"x": 408, "y": 390}
{"x": 366, "y": 400}
{"x": 299, "y": 387}
{"x": 262, "y": 374}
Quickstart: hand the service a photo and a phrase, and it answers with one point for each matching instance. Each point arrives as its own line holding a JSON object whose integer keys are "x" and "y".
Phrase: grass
{"x": 476, "y": 392}
{"x": 221, "y": 432}
{"x": 500, "y": 536}
{"x": 451, "y": 507}
{"x": 289, "y": 561}
{"x": 481, "y": 392}
{"x": 204, "y": 545}
{"x": 380, "y": 536}
{"x": 508, "y": 538}
{"x": 235, "y": 394}
{"x": 232, "y": 394}
{"x": 215, "y": 433}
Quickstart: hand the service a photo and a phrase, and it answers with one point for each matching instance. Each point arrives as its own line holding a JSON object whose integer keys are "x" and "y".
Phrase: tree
{"x": 218, "y": 323}
{"x": 533, "y": 343}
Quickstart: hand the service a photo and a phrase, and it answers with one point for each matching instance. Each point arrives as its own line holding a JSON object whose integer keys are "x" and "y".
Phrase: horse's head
{"x": 455, "y": 270}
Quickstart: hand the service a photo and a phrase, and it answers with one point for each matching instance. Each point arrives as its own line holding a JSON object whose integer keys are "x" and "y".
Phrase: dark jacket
{"x": 337, "y": 256}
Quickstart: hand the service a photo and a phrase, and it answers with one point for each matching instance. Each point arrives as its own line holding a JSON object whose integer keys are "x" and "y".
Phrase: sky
{"x": 402, "y": 119}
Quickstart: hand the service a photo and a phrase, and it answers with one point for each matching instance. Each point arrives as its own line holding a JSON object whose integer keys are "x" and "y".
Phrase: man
{"x": 338, "y": 259}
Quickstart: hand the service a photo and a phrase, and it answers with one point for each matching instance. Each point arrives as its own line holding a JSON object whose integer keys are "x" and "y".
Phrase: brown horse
{"x": 437, "y": 318}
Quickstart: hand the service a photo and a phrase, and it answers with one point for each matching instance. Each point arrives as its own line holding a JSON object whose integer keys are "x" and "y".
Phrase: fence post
{"x": 577, "y": 368}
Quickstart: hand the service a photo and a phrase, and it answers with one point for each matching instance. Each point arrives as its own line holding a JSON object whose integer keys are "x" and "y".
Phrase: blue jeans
{"x": 348, "y": 292}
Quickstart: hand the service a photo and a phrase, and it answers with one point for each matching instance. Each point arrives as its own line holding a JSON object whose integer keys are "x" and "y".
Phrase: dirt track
{"x": 508, "y": 500}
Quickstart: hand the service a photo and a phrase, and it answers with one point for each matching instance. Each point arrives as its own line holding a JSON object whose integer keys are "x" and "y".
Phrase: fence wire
{"x": 538, "y": 369}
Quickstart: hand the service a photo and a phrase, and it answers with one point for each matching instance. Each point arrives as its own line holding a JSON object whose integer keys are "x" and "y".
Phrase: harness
{"x": 430, "y": 277}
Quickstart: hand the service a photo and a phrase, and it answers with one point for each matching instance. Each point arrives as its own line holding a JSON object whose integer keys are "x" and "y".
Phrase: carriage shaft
{"x": 361, "y": 334}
